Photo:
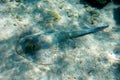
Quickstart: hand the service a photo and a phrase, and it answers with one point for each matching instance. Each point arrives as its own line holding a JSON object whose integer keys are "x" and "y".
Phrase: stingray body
{"x": 32, "y": 43}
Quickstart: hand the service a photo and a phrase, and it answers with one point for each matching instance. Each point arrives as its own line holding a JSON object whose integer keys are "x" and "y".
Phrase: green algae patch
{"x": 55, "y": 14}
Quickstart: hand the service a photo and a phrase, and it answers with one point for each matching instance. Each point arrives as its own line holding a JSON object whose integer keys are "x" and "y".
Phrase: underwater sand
{"x": 91, "y": 57}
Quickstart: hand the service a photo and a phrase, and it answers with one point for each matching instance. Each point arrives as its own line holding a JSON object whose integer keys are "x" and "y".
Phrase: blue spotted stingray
{"x": 31, "y": 43}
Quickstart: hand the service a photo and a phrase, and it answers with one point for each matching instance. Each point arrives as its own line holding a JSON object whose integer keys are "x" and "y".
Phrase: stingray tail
{"x": 75, "y": 34}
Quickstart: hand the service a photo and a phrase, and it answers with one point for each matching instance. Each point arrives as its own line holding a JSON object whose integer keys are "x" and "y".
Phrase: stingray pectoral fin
{"x": 75, "y": 34}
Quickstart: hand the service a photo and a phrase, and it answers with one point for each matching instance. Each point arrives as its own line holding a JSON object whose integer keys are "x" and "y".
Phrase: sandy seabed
{"x": 91, "y": 57}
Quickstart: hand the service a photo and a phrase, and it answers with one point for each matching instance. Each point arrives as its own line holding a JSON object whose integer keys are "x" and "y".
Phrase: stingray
{"x": 29, "y": 44}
